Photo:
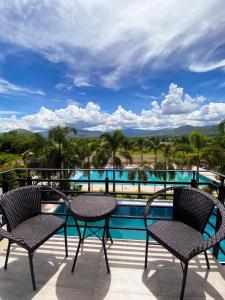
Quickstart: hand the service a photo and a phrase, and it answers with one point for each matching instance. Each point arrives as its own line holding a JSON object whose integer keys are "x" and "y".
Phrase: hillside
{"x": 172, "y": 132}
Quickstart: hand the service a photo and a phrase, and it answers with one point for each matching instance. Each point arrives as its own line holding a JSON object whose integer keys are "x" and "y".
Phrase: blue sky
{"x": 111, "y": 64}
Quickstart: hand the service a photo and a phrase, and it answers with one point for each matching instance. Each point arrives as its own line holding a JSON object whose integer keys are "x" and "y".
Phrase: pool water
{"x": 123, "y": 175}
{"x": 136, "y": 211}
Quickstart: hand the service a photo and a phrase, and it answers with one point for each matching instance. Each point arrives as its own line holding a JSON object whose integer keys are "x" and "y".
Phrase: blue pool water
{"x": 123, "y": 175}
{"x": 136, "y": 211}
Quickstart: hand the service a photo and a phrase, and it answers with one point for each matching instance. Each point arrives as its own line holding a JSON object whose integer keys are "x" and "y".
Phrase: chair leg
{"x": 146, "y": 250}
{"x": 104, "y": 248}
{"x": 7, "y": 255}
{"x": 30, "y": 254}
{"x": 65, "y": 237}
{"x": 184, "y": 281}
{"x": 207, "y": 260}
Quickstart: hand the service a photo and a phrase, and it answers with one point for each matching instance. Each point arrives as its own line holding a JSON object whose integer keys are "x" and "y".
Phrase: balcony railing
{"x": 109, "y": 183}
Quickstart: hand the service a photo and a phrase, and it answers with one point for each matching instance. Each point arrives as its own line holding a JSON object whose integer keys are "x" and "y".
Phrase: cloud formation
{"x": 110, "y": 40}
{"x": 7, "y": 88}
{"x": 176, "y": 109}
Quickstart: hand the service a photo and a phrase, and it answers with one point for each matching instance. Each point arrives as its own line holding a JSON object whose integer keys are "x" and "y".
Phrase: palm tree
{"x": 198, "y": 142}
{"x": 126, "y": 150}
{"x": 141, "y": 143}
{"x": 59, "y": 136}
{"x": 155, "y": 147}
{"x": 181, "y": 150}
{"x": 113, "y": 142}
{"x": 221, "y": 129}
{"x": 166, "y": 164}
{"x": 61, "y": 150}
{"x": 101, "y": 155}
{"x": 215, "y": 157}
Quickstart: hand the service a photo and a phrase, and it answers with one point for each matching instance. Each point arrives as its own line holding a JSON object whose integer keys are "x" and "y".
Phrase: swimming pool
{"x": 136, "y": 222}
{"x": 122, "y": 175}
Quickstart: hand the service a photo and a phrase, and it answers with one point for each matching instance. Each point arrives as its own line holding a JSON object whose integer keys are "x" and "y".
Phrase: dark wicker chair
{"x": 26, "y": 225}
{"x": 183, "y": 235}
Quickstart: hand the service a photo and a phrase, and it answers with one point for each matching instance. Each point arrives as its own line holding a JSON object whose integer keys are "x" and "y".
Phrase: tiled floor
{"x": 127, "y": 280}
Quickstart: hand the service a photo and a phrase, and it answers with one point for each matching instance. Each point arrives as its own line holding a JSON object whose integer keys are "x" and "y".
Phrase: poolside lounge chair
{"x": 26, "y": 225}
{"x": 183, "y": 235}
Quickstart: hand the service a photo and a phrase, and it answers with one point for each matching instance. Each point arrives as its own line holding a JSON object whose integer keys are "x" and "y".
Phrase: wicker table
{"x": 91, "y": 208}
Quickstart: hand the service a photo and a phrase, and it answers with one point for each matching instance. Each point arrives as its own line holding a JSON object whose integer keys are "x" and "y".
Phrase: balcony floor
{"x": 127, "y": 280}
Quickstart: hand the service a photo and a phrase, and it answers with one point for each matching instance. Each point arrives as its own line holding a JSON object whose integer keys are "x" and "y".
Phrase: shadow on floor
{"x": 169, "y": 276}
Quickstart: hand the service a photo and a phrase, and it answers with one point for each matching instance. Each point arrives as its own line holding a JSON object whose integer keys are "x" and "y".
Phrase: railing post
{"x": 89, "y": 183}
{"x": 193, "y": 181}
{"x": 29, "y": 180}
{"x": 114, "y": 178}
{"x": 221, "y": 198}
{"x": 106, "y": 185}
{"x": 139, "y": 185}
{"x": 5, "y": 186}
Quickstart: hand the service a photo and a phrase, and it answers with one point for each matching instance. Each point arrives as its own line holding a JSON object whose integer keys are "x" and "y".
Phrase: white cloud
{"x": 176, "y": 102}
{"x": 60, "y": 86}
{"x": 199, "y": 68}
{"x": 110, "y": 40}
{"x": 8, "y": 88}
{"x": 169, "y": 113}
{"x": 144, "y": 96}
{"x": 10, "y": 112}
{"x": 81, "y": 81}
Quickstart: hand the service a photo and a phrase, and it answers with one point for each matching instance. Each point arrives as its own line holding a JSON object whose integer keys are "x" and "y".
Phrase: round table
{"x": 91, "y": 208}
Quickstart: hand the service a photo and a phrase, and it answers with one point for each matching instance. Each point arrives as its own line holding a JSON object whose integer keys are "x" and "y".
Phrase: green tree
{"x": 180, "y": 152}
{"x": 141, "y": 145}
{"x": 59, "y": 136}
{"x": 198, "y": 142}
{"x": 113, "y": 143}
{"x": 155, "y": 146}
{"x": 111, "y": 146}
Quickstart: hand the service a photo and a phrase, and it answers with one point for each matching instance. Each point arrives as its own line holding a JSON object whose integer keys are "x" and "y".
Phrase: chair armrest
{"x": 217, "y": 237}
{"x": 12, "y": 238}
{"x": 151, "y": 199}
{"x": 64, "y": 197}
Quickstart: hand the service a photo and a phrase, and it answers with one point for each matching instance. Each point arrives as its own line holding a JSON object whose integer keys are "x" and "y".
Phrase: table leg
{"x": 85, "y": 227}
{"x": 104, "y": 248}
{"x": 108, "y": 235}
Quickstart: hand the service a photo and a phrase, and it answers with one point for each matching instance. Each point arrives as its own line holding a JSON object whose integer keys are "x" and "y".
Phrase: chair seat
{"x": 35, "y": 230}
{"x": 177, "y": 237}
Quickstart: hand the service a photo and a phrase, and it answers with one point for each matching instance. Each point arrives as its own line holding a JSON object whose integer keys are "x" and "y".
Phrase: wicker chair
{"x": 26, "y": 226}
{"x": 183, "y": 235}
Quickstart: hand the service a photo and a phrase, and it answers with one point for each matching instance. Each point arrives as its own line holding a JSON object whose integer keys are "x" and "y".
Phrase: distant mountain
{"x": 185, "y": 130}
{"x": 20, "y": 131}
{"x": 171, "y": 132}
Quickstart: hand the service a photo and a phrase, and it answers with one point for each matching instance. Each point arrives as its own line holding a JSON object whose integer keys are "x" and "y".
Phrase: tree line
{"x": 63, "y": 148}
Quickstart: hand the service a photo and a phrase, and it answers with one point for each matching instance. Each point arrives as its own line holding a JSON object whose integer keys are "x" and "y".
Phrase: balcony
{"x": 127, "y": 280}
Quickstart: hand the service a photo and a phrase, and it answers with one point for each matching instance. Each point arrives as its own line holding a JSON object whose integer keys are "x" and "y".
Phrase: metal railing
{"x": 109, "y": 182}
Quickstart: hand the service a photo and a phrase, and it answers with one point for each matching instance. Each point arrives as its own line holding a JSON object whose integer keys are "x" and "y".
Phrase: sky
{"x": 102, "y": 64}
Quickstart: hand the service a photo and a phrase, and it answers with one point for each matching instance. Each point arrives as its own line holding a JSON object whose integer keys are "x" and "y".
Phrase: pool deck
{"x": 127, "y": 280}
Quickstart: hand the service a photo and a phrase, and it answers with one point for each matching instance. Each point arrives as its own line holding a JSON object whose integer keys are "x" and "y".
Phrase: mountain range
{"x": 171, "y": 132}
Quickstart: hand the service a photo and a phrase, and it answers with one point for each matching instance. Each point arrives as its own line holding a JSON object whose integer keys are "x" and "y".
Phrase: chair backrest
{"x": 20, "y": 204}
{"x": 192, "y": 206}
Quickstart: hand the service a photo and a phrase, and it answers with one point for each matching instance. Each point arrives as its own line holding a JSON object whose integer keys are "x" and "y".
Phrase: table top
{"x": 88, "y": 207}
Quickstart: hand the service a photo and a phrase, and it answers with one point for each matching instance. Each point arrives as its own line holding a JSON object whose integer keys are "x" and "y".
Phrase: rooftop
{"x": 127, "y": 280}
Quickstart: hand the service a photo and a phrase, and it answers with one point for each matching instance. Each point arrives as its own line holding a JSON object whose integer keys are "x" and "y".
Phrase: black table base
{"x": 105, "y": 235}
